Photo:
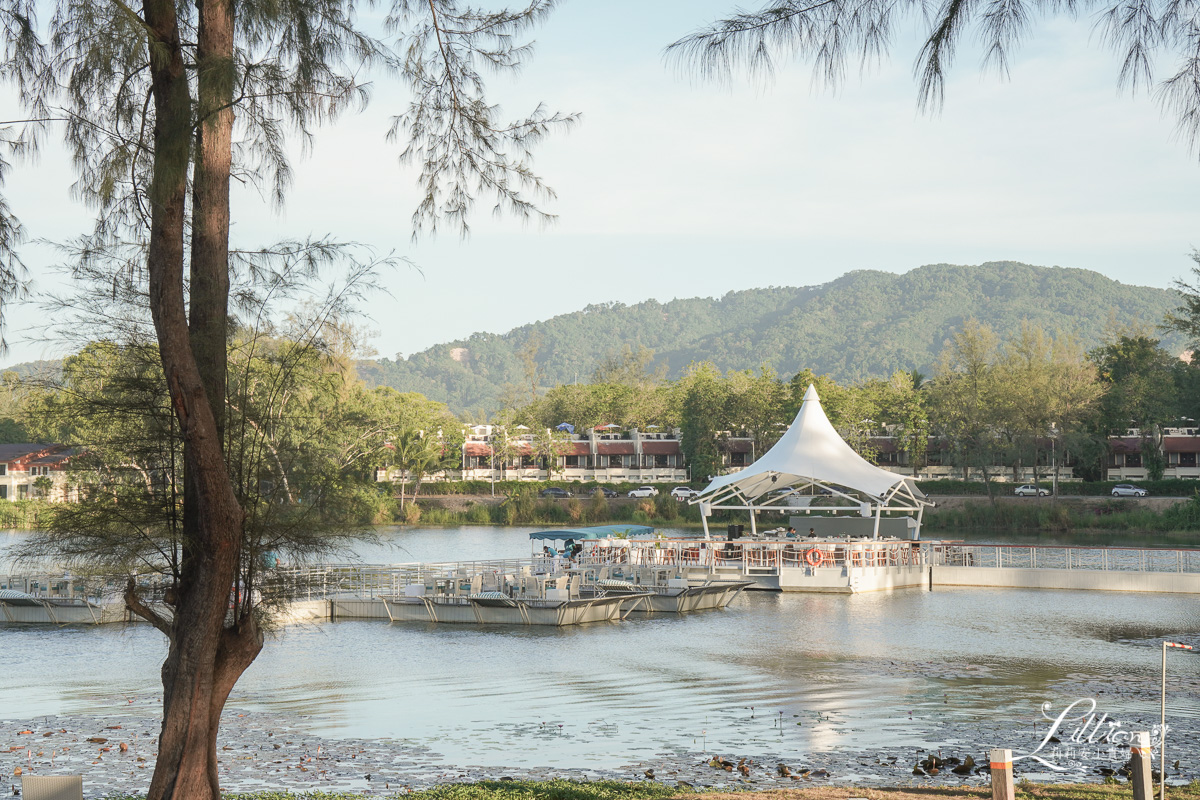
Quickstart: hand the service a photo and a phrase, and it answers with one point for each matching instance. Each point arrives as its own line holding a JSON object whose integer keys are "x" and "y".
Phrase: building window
{"x": 572, "y": 461}
{"x": 3, "y": 469}
{"x": 3, "y": 492}
{"x": 1133, "y": 459}
{"x": 1187, "y": 459}
{"x": 737, "y": 459}
{"x": 660, "y": 461}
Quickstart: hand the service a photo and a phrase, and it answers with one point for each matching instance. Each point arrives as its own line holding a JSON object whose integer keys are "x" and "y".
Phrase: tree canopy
{"x": 162, "y": 107}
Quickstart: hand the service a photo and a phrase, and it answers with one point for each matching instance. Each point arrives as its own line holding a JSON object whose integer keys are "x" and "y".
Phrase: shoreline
{"x": 1084, "y": 514}
{"x": 267, "y": 751}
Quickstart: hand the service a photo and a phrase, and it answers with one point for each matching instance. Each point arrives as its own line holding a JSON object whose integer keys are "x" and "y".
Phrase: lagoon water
{"x": 773, "y": 673}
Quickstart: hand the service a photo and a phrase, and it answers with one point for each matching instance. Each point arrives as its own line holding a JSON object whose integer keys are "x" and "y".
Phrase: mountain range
{"x": 863, "y": 324}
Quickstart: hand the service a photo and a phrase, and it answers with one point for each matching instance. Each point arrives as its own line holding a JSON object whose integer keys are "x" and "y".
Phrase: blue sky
{"x": 675, "y": 188}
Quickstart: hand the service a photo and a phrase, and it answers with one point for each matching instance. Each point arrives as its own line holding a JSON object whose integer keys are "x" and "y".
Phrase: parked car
{"x": 1128, "y": 490}
{"x": 608, "y": 493}
{"x": 1029, "y": 490}
{"x": 644, "y": 491}
{"x": 684, "y": 493}
{"x": 554, "y": 491}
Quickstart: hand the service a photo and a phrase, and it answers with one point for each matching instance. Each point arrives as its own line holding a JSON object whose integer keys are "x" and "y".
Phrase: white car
{"x": 1128, "y": 490}
{"x": 1029, "y": 490}
{"x": 684, "y": 493}
{"x": 644, "y": 491}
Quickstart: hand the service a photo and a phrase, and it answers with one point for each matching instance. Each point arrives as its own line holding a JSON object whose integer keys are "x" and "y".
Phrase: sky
{"x": 674, "y": 187}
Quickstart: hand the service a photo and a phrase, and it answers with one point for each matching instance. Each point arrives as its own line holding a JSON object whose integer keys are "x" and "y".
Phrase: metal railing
{"x": 62, "y": 586}
{"x": 321, "y": 581}
{"x": 1107, "y": 559}
{"x": 753, "y": 557}
{"x": 324, "y": 581}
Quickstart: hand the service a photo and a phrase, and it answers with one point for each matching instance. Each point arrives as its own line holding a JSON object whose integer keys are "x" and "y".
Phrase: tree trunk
{"x": 209, "y": 276}
{"x": 205, "y": 657}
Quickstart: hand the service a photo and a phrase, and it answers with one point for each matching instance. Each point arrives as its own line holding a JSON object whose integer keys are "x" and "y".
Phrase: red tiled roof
{"x": 1125, "y": 444}
{"x": 661, "y": 448}
{"x": 1181, "y": 444}
{"x": 18, "y": 452}
{"x": 54, "y": 460}
{"x": 616, "y": 448}
{"x": 579, "y": 449}
{"x": 477, "y": 449}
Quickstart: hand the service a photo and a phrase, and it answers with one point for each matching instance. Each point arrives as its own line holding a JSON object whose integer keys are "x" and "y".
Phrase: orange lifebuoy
{"x": 814, "y": 557}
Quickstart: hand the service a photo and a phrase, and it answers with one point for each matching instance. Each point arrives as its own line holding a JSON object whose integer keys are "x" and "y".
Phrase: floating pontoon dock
{"x": 358, "y": 590}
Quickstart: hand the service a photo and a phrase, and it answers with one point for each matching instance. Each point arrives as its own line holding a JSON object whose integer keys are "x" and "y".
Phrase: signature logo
{"x": 1078, "y": 733}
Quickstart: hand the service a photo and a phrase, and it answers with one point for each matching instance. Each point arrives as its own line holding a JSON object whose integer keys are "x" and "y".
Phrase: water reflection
{"x": 775, "y": 672}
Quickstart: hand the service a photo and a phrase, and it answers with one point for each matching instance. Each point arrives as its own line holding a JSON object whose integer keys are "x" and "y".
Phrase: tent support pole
{"x": 878, "y": 514}
{"x": 704, "y": 522}
{"x": 920, "y": 513}
{"x": 753, "y": 526}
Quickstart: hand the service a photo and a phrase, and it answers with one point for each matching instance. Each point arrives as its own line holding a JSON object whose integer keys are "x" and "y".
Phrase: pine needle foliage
{"x": 838, "y": 35}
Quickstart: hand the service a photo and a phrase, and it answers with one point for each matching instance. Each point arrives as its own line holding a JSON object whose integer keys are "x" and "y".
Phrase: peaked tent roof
{"x": 811, "y": 450}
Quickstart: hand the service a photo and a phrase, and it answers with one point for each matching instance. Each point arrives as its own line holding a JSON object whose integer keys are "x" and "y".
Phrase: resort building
{"x": 606, "y": 454}
{"x": 33, "y": 471}
{"x": 1180, "y": 448}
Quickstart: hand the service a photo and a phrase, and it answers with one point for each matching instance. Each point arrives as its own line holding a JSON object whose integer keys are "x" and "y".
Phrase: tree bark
{"x": 209, "y": 275}
{"x": 205, "y": 656}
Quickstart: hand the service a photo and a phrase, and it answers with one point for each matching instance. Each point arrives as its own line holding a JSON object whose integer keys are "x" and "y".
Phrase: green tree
{"x": 13, "y": 393}
{"x": 965, "y": 398}
{"x": 1048, "y": 386}
{"x": 632, "y": 368}
{"x": 549, "y": 445}
{"x": 903, "y": 404}
{"x": 758, "y": 403}
{"x": 703, "y": 414}
{"x": 1185, "y": 319}
{"x": 1140, "y": 391}
{"x": 160, "y": 113}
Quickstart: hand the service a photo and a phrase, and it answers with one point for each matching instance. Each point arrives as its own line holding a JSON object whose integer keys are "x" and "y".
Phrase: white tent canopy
{"x": 812, "y": 452}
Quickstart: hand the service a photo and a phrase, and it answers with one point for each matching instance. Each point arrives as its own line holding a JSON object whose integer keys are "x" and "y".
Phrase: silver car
{"x": 1029, "y": 490}
{"x": 1128, "y": 490}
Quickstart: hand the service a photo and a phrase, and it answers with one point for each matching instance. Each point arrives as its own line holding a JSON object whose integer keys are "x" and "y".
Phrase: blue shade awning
{"x": 598, "y": 532}
{"x": 565, "y": 426}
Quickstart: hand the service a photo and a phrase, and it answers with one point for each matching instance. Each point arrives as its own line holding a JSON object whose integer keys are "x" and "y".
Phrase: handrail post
{"x": 1002, "y": 774}
{"x": 1143, "y": 789}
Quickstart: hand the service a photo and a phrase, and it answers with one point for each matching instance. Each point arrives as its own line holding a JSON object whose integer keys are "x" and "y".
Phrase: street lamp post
{"x": 1162, "y": 721}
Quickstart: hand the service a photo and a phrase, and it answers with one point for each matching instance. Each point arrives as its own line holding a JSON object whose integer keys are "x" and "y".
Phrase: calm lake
{"x": 772, "y": 673}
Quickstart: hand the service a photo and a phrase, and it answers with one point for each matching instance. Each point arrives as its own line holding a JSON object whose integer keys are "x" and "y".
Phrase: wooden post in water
{"x": 1143, "y": 788}
{"x": 1002, "y": 774}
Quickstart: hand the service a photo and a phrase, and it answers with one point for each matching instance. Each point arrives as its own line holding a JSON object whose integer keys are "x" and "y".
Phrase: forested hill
{"x": 863, "y": 324}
